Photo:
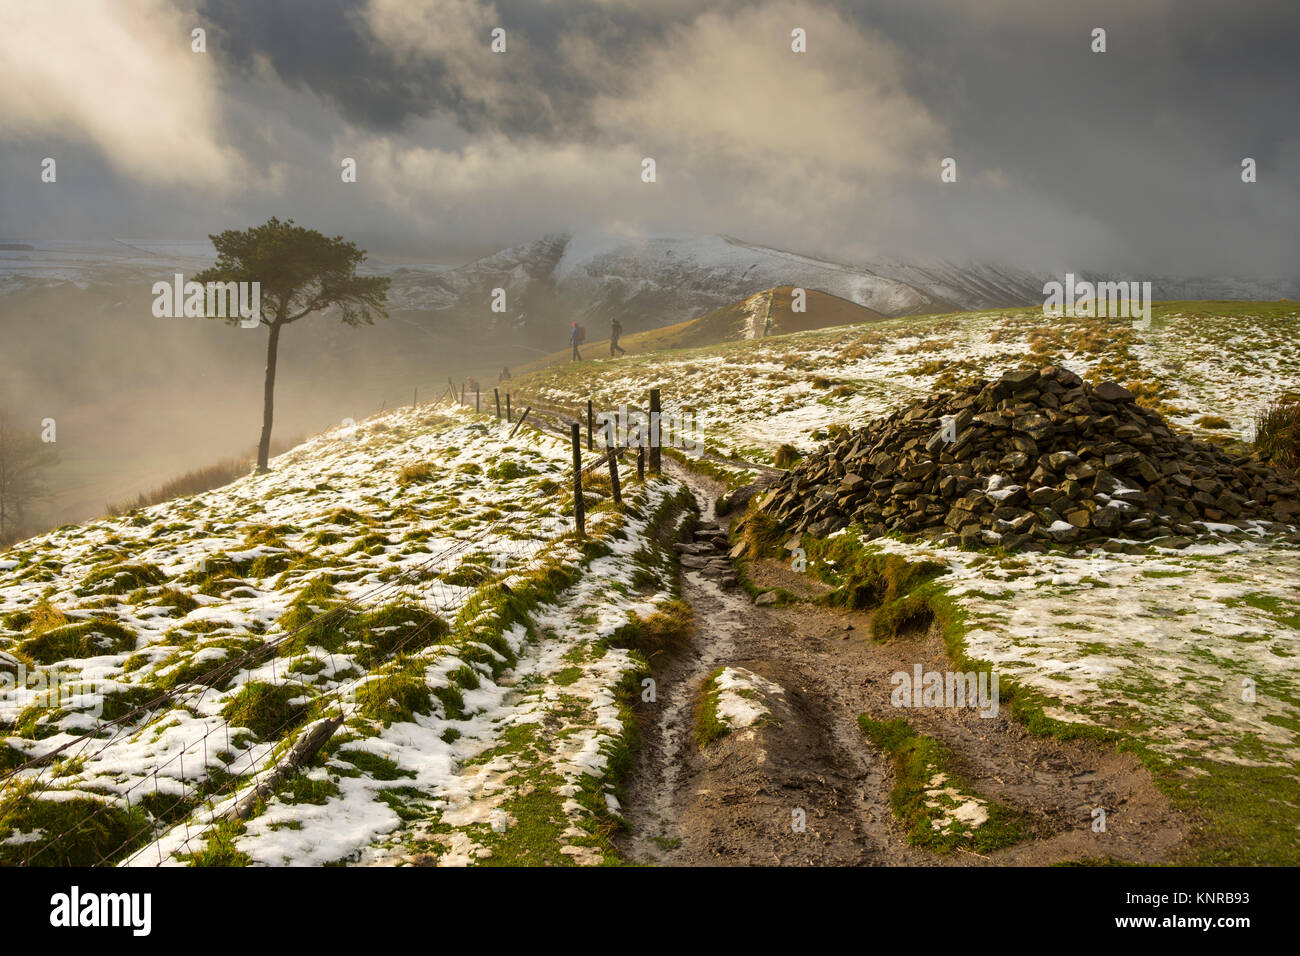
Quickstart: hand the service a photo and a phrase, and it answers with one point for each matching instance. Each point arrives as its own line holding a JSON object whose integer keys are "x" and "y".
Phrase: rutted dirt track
{"x": 734, "y": 803}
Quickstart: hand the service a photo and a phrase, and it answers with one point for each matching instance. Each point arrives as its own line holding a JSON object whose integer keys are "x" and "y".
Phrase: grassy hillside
{"x": 1187, "y": 656}
{"x": 417, "y": 578}
{"x": 741, "y": 320}
{"x": 1208, "y": 369}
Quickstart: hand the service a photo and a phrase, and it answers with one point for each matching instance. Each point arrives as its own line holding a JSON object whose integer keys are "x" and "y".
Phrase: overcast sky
{"x": 1128, "y": 160}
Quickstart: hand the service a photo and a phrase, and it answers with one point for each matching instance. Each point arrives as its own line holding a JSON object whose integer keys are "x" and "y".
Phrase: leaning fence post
{"x": 655, "y": 436}
{"x": 520, "y": 422}
{"x": 575, "y": 434}
{"x": 613, "y": 468}
{"x": 496, "y": 394}
{"x": 591, "y": 444}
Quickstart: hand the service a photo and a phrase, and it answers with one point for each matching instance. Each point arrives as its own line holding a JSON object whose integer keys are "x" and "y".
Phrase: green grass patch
{"x": 265, "y": 709}
{"x": 85, "y": 639}
{"x": 79, "y": 832}
{"x": 668, "y": 628}
{"x": 119, "y": 579}
{"x": 928, "y": 793}
{"x": 708, "y": 725}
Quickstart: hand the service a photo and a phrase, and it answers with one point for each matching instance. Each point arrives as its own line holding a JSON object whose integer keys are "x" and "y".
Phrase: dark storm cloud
{"x": 325, "y": 46}
{"x": 328, "y": 47}
{"x": 1147, "y": 138}
{"x": 1127, "y": 160}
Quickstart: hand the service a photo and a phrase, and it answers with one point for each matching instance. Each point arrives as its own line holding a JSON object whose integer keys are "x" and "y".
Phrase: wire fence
{"x": 254, "y": 759}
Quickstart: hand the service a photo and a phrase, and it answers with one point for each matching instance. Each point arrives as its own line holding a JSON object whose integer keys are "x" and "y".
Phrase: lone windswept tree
{"x": 300, "y": 272}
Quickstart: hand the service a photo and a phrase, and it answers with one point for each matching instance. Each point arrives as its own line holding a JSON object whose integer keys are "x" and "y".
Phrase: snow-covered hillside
{"x": 1167, "y": 639}
{"x": 416, "y": 577}
{"x": 418, "y": 580}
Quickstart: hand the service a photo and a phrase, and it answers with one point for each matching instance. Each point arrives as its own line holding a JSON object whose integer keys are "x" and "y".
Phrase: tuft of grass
{"x": 708, "y": 725}
{"x": 177, "y": 599}
{"x": 396, "y": 697}
{"x": 373, "y": 765}
{"x": 1277, "y": 433}
{"x": 863, "y": 578}
{"x": 397, "y": 627}
{"x": 89, "y": 831}
{"x": 119, "y": 579}
{"x": 901, "y": 617}
{"x": 509, "y": 470}
{"x": 417, "y": 472}
{"x": 265, "y": 709}
{"x": 316, "y": 618}
{"x": 668, "y": 628}
{"x": 786, "y": 456}
{"x": 219, "y": 848}
{"x": 85, "y": 639}
{"x": 41, "y": 618}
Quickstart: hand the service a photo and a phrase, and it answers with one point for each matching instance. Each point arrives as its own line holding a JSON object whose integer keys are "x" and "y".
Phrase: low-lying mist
{"x": 139, "y": 400}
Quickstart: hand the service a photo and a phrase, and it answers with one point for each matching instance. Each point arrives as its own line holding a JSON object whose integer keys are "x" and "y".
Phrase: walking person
{"x": 505, "y": 374}
{"x": 575, "y": 336}
{"x": 615, "y": 330}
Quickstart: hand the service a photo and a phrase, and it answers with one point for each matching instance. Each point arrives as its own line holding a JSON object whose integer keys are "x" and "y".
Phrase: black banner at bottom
{"x": 166, "y": 905}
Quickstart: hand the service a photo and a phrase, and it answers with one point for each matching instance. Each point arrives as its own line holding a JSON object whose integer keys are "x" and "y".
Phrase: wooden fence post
{"x": 579, "y": 519}
{"x": 591, "y": 444}
{"x": 520, "y": 422}
{"x": 655, "y": 434}
{"x": 496, "y": 394}
{"x": 613, "y": 468}
{"x": 507, "y": 408}
{"x": 476, "y": 393}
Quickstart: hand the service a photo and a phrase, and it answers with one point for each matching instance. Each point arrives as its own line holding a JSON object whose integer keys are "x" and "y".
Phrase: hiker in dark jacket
{"x": 504, "y": 376}
{"x": 574, "y": 339}
{"x": 615, "y": 330}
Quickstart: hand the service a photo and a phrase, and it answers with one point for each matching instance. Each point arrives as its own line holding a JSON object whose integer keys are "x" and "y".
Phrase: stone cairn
{"x": 1034, "y": 459}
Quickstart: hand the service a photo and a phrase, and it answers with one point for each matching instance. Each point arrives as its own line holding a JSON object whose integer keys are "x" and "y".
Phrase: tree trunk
{"x": 268, "y": 400}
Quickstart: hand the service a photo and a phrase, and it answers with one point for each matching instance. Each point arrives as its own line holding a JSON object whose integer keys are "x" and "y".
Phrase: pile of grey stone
{"x": 1034, "y": 459}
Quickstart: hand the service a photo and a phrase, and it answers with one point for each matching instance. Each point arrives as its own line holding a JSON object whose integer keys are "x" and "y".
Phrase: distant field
{"x": 746, "y": 319}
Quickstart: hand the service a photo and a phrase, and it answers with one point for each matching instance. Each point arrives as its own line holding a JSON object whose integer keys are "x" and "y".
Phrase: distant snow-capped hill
{"x": 656, "y": 281}
{"x": 679, "y": 277}
{"x": 646, "y": 282}
{"x": 974, "y": 285}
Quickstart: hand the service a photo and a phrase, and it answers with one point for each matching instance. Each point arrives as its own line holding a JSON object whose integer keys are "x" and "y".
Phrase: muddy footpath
{"x": 808, "y": 787}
